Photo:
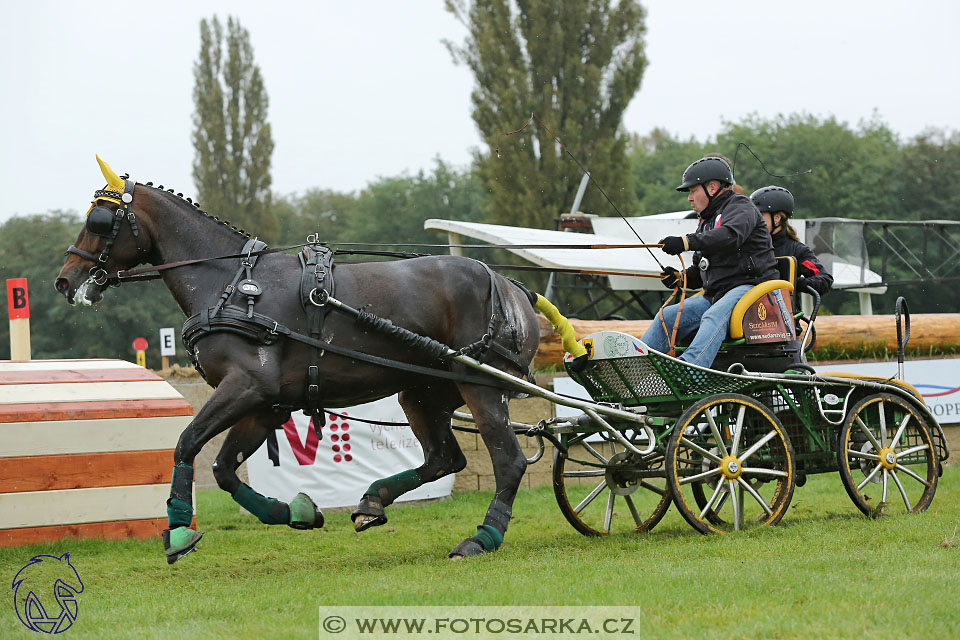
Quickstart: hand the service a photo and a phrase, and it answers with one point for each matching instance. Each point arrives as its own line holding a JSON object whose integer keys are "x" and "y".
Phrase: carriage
{"x": 729, "y": 447}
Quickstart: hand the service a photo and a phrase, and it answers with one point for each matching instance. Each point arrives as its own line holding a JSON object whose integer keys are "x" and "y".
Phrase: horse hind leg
{"x": 428, "y": 410}
{"x": 244, "y": 438}
{"x": 490, "y": 410}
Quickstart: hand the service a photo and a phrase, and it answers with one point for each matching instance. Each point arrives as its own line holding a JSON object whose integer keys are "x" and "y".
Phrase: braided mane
{"x": 196, "y": 205}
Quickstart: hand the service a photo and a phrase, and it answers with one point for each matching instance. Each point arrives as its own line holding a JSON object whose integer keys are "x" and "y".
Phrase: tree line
{"x": 862, "y": 172}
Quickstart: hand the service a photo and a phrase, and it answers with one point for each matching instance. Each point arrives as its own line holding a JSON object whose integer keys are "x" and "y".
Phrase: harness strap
{"x": 313, "y": 281}
{"x": 487, "y": 342}
{"x": 266, "y": 330}
{"x": 248, "y": 260}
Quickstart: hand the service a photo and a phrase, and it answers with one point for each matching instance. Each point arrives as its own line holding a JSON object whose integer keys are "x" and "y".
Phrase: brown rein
{"x": 131, "y": 275}
{"x": 682, "y": 288}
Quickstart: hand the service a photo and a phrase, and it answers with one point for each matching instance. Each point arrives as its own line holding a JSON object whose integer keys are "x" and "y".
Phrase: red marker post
{"x": 18, "y": 310}
{"x": 140, "y": 346}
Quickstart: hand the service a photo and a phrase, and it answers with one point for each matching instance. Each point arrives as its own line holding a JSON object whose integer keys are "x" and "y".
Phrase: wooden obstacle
{"x": 86, "y": 449}
{"x": 851, "y": 332}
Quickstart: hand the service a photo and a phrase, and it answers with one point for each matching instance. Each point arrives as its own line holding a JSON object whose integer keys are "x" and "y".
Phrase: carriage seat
{"x": 757, "y": 319}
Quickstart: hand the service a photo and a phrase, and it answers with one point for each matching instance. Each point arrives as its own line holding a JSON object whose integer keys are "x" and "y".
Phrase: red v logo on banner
{"x": 305, "y": 452}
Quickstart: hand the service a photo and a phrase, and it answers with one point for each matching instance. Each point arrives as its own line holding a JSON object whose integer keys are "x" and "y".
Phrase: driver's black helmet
{"x": 704, "y": 170}
{"x": 773, "y": 199}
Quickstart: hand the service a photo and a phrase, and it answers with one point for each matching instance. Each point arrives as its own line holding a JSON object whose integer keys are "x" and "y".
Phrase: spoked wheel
{"x": 730, "y": 465}
{"x": 886, "y": 450}
{"x": 627, "y": 493}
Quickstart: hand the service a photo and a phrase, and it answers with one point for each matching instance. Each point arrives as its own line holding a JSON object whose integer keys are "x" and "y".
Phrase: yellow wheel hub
{"x": 888, "y": 458}
{"x": 731, "y": 467}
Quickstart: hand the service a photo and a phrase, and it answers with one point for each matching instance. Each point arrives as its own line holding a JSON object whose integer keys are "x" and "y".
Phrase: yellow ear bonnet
{"x": 114, "y": 182}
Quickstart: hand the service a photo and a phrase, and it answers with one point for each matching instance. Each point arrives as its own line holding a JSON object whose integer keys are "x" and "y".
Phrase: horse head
{"x": 113, "y": 239}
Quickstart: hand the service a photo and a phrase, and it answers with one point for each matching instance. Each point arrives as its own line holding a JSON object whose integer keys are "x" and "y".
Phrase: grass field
{"x": 824, "y": 572}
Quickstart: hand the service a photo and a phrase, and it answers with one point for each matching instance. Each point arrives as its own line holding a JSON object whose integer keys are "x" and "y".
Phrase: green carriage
{"x": 729, "y": 447}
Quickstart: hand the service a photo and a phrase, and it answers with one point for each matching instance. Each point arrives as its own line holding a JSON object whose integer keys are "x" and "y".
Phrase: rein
{"x": 682, "y": 288}
{"x": 101, "y": 276}
{"x": 134, "y": 275}
{"x": 153, "y": 272}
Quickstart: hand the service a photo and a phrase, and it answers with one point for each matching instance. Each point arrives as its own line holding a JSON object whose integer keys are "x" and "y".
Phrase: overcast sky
{"x": 364, "y": 89}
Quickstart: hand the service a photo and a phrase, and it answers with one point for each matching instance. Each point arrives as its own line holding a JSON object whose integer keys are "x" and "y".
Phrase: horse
{"x": 453, "y": 300}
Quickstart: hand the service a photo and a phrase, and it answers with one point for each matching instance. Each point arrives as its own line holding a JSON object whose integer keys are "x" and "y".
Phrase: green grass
{"x": 824, "y": 572}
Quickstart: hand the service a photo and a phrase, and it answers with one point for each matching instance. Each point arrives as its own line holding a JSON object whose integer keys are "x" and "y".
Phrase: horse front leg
{"x": 242, "y": 440}
{"x": 237, "y": 396}
{"x": 428, "y": 410}
{"x": 490, "y": 410}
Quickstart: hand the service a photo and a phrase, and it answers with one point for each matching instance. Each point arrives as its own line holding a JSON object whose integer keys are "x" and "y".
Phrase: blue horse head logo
{"x": 45, "y": 593}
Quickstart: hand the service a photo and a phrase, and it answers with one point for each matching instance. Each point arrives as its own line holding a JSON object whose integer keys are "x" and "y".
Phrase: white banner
{"x": 336, "y": 471}
{"x": 938, "y": 381}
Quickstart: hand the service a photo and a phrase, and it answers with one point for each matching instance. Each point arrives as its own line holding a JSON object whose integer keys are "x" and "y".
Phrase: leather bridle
{"x": 105, "y": 222}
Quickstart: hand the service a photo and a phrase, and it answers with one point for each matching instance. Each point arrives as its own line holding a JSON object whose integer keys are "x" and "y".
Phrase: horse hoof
{"x": 467, "y": 548}
{"x": 363, "y": 521}
{"x": 179, "y": 542}
{"x": 304, "y": 513}
{"x": 369, "y": 513}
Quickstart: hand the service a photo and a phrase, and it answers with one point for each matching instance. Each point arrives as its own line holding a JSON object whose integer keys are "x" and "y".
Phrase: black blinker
{"x": 100, "y": 221}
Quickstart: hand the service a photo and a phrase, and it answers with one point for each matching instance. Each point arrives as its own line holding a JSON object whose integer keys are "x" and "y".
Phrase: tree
{"x": 387, "y": 210}
{"x": 394, "y": 209}
{"x": 658, "y": 161}
{"x": 576, "y": 64}
{"x": 853, "y": 169}
{"x": 928, "y": 180}
{"x": 231, "y": 134}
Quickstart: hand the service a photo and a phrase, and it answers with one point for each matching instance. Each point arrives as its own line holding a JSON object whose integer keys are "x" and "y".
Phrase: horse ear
{"x": 114, "y": 182}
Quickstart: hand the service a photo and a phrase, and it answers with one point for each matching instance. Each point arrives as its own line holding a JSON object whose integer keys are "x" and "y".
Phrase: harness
{"x": 104, "y": 222}
{"x": 316, "y": 292}
{"x": 316, "y": 285}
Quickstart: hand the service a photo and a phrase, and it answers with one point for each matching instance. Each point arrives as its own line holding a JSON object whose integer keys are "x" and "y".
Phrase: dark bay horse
{"x": 446, "y": 298}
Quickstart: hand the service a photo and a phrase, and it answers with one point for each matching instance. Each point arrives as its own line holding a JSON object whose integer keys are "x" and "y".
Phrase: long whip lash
{"x": 533, "y": 118}
{"x": 681, "y": 288}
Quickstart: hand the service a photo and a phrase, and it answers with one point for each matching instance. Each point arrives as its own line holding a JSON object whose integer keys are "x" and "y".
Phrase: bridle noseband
{"x": 105, "y": 222}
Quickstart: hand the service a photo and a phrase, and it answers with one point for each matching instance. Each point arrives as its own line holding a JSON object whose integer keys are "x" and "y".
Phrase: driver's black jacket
{"x": 734, "y": 239}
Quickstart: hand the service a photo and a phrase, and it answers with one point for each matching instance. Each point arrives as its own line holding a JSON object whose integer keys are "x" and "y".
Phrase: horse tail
{"x": 561, "y": 326}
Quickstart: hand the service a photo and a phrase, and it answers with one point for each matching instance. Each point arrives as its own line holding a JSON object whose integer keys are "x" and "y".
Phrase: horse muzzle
{"x": 88, "y": 292}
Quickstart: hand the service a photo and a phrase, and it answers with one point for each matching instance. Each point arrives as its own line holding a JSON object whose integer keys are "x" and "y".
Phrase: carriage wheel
{"x": 730, "y": 465}
{"x": 614, "y": 498}
{"x": 886, "y": 451}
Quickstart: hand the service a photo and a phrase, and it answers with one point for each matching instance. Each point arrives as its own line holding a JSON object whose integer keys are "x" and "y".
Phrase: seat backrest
{"x": 787, "y": 266}
{"x": 757, "y": 318}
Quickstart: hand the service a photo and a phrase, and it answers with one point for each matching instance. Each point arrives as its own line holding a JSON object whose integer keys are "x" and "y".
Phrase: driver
{"x": 776, "y": 207}
{"x": 732, "y": 252}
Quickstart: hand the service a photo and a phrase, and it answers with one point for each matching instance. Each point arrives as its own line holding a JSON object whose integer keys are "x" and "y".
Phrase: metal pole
{"x": 580, "y": 191}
